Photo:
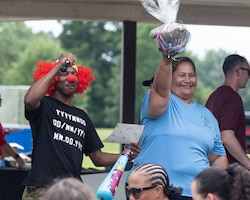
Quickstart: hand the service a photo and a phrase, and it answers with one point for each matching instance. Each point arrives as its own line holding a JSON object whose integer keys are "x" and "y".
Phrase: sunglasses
{"x": 248, "y": 70}
{"x": 136, "y": 192}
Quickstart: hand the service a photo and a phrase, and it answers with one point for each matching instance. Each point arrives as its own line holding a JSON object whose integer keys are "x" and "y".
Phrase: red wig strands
{"x": 85, "y": 76}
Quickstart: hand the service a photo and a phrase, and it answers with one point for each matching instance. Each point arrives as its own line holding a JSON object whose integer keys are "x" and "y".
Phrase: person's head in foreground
{"x": 68, "y": 189}
{"x": 150, "y": 181}
{"x": 217, "y": 183}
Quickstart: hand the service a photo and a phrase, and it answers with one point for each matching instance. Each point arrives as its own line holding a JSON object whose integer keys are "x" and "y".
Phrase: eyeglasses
{"x": 136, "y": 192}
{"x": 248, "y": 70}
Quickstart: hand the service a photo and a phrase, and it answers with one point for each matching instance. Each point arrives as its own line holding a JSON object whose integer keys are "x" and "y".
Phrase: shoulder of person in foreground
{"x": 68, "y": 188}
{"x": 230, "y": 183}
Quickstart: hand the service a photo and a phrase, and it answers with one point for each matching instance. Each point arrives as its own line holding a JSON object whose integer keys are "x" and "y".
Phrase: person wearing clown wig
{"x": 61, "y": 133}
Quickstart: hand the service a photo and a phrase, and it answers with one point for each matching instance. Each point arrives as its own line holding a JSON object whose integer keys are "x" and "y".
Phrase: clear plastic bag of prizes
{"x": 172, "y": 35}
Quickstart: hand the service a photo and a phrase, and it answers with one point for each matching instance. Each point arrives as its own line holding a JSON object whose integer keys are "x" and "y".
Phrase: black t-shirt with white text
{"x": 61, "y": 135}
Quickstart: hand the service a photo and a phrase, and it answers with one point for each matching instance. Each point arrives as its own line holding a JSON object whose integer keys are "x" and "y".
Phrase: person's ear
{"x": 211, "y": 196}
{"x": 237, "y": 71}
{"x": 159, "y": 191}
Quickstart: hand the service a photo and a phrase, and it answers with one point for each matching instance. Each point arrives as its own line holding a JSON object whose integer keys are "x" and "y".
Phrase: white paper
{"x": 125, "y": 133}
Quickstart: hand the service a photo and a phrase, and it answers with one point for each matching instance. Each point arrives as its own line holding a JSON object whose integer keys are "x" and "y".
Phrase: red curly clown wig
{"x": 85, "y": 76}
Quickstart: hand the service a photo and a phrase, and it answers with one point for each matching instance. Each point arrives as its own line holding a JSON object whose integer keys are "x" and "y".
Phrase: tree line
{"x": 99, "y": 47}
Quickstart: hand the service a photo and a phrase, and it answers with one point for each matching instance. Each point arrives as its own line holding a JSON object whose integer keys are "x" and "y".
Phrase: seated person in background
{"x": 68, "y": 189}
{"x": 218, "y": 183}
{"x": 8, "y": 150}
{"x": 150, "y": 181}
{"x": 4, "y": 145}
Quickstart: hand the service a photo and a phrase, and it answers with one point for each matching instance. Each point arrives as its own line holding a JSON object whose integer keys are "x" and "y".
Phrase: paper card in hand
{"x": 125, "y": 133}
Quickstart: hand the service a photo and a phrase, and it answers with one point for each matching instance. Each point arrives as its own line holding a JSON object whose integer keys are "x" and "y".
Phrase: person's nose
{"x": 187, "y": 78}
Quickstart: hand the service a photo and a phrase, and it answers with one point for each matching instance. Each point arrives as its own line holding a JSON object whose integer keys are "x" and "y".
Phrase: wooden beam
{"x": 224, "y": 12}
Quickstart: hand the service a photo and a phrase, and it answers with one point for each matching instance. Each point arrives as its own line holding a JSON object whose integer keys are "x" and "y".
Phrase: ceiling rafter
{"x": 206, "y": 12}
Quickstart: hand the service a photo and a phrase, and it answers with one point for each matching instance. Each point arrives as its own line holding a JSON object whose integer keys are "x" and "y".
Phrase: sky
{"x": 203, "y": 38}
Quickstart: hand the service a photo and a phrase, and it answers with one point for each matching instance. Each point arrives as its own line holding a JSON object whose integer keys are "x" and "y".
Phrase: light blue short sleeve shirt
{"x": 180, "y": 140}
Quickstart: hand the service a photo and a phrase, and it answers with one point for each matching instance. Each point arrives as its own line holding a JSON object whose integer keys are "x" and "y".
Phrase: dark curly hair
{"x": 231, "y": 183}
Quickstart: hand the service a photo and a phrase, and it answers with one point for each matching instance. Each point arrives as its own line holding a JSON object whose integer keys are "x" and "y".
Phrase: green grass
{"x": 108, "y": 147}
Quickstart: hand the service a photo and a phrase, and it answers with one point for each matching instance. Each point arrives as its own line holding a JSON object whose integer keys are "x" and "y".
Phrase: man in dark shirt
{"x": 61, "y": 132}
{"x": 226, "y": 105}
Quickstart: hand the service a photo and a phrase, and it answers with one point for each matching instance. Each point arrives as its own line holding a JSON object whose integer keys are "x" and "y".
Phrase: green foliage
{"x": 209, "y": 66}
{"x": 112, "y": 100}
{"x": 20, "y": 49}
{"x": 14, "y": 37}
{"x": 98, "y": 45}
{"x": 147, "y": 61}
{"x": 41, "y": 48}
